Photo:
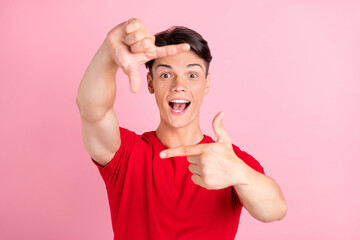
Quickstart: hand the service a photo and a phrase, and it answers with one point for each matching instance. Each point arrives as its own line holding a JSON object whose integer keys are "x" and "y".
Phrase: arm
{"x": 216, "y": 166}
{"x": 127, "y": 45}
{"x": 95, "y": 100}
{"x": 260, "y": 194}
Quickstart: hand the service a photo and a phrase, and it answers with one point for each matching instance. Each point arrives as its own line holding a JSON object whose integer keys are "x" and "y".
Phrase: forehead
{"x": 181, "y": 60}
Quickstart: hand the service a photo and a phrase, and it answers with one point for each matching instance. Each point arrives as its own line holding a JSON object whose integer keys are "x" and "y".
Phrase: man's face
{"x": 179, "y": 85}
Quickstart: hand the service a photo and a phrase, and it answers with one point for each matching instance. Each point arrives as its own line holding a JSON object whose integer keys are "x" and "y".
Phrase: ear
{"x": 207, "y": 84}
{"x": 150, "y": 83}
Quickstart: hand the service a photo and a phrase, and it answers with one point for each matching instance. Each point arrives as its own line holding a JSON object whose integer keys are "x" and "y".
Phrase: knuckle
{"x": 137, "y": 35}
{"x": 202, "y": 159}
{"x": 205, "y": 172}
{"x": 207, "y": 149}
{"x": 206, "y": 182}
{"x": 185, "y": 151}
{"x": 126, "y": 68}
{"x": 147, "y": 43}
{"x": 134, "y": 21}
{"x": 137, "y": 20}
{"x": 151, "y": 39}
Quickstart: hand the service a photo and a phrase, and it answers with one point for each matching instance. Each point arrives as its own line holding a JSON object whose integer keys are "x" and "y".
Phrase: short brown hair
{"x": 179, "y": 34}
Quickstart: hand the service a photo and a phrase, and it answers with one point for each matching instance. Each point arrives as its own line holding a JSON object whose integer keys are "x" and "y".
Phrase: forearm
{"x": 97, "y": 89}
{"x": 261, "y": 195}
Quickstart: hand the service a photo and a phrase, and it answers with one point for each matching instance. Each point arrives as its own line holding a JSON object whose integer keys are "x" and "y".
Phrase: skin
{"x": 177, "y": 73}
{"x": 183, "y": 77}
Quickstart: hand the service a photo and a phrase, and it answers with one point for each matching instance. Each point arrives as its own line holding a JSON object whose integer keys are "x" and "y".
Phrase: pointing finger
{"x": 183, "y": 151}
{"x": 221, "y": 134}
{"x": 171, "y": 50}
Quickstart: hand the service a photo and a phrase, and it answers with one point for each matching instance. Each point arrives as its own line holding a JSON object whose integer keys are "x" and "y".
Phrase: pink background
{"x": 286, "y": 73}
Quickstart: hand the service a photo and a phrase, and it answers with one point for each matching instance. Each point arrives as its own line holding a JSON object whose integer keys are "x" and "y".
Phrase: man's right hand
{"x": 127, "y": 46}
{"x": 130, "y": 44}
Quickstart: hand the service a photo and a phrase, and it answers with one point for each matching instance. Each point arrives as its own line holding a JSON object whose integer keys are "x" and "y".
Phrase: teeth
{"x": 180, "y": 101}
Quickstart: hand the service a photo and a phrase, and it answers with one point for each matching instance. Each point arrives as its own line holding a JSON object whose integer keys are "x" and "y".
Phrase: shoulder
{"x": 134, "y": 138}
{"x": 146, "y": 141}
{"x": 248, "y": 159}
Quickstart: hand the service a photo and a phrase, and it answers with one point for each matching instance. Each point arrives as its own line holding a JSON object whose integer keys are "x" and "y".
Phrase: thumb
{"x": 134, "y": 78}
{"x": 219, "y": 130}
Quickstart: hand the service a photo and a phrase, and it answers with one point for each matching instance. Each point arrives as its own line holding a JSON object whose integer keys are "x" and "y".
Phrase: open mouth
{"x": 179, "y": 105}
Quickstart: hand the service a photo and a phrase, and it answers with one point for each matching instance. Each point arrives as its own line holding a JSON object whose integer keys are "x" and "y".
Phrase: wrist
{"x": 104, "y": 55}
{"x": 242, "y": 173}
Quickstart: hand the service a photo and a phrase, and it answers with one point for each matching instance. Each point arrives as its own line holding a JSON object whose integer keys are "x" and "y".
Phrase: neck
{"x": 182, "y": 136}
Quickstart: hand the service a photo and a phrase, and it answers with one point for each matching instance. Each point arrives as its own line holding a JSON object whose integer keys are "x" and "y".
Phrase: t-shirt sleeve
{"x": 248, "y": 159}
{"x": 117, "y": 165}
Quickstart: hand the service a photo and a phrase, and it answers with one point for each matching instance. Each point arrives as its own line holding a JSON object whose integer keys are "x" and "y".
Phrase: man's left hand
{"x": 214, "y": 165}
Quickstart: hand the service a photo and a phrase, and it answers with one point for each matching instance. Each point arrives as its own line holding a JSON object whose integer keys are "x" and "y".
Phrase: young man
{"x": 175, "y": 182}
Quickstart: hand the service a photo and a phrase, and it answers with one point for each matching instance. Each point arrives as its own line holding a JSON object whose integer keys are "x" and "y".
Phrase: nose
{"x": 179, "y": 85}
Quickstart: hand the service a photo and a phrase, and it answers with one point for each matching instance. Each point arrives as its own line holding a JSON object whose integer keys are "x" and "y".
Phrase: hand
{"x": 131, "y": 44}
{"x": 214, "y": 165}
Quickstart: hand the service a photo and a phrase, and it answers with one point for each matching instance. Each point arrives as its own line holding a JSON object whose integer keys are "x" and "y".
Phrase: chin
{"x": 181, "y": 122}
{"x": 176, "y": 123}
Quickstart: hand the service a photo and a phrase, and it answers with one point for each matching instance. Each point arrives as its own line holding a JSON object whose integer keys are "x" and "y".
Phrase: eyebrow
{"x": 188, "y": 66}
{"x": 193, "y": 65}
{"x": 163, "y": 65}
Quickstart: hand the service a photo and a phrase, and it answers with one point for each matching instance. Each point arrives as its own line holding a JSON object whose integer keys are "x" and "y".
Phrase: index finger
{"x": 169, "y": 50}
{"x": 183, "y": 151}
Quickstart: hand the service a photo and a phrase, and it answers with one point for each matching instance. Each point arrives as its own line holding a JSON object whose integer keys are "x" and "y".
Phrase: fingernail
{"x": 163, "y": 154}
{"x": 187, "y": 46}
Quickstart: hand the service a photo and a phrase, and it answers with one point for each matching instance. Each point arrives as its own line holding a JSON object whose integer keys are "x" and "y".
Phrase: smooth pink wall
{"x": 286, "y": 73}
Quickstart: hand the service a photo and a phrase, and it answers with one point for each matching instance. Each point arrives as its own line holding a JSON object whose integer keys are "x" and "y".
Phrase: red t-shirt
{"x": 154, "y": 198}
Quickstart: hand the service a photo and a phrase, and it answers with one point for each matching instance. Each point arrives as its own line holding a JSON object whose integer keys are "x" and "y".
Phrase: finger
{"x": 134, "y": 78}
{"x": 195, "y": 169}
{"x": 137, "y": 36}
{"x": 219, "y": 130}
{"x": 171, "y": 50}
{"x": 193, "y": 159}
{"x": 197, "y": 180}
{"x": 143, "y": 46}
{"x": 133, "y": 24}
{"x": 183, "y": 151}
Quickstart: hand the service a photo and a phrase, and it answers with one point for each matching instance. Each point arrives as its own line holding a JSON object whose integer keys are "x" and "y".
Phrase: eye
{"x": 165, "y": 75}
{"x": 192, "y": 75}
